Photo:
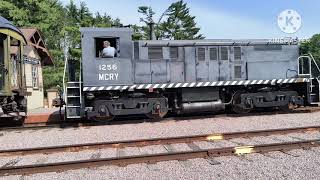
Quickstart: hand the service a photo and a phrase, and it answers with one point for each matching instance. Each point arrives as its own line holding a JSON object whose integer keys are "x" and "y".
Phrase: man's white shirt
{"x": 108, "y": 52}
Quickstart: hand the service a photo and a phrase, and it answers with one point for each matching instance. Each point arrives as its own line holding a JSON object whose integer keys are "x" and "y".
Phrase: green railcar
{"x": 12, "y": 72}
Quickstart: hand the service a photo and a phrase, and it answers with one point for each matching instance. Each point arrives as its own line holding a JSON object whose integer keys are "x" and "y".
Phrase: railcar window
{"x": 35, "y": 77}
{"x": 102, "y": 43}
{"x": 174, "y": 53}
{"x": 224, "y": 53}
{"x": 201, "y": 54}
{"x": 213, "y": 54}
{"x": 237, "y": 53}
{"x": 155, "y": 53}
{"x": 237, "y": 71}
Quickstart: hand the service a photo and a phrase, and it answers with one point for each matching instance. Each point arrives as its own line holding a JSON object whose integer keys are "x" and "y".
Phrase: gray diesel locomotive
{"x": 154, "y": 77}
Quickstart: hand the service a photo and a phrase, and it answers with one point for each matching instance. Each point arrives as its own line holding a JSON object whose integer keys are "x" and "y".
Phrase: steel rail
{"x": 154, "y": 141}
{"x": 153, "y": 158}
{"x": 125, "y": 120}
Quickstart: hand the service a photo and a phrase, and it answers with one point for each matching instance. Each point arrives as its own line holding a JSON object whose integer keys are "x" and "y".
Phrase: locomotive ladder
{"x": 73, "y": 96}
{"x": 306, "y": 72}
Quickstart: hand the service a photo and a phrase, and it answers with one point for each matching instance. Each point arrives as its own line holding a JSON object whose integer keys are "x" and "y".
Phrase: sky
{"x": 236, "y": 19}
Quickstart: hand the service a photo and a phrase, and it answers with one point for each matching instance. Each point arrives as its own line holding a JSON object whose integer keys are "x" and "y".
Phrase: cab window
{"x": 108, "y": 47}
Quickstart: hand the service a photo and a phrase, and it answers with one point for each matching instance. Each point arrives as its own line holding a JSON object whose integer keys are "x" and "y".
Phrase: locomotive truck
{"x": 154, "y": 77}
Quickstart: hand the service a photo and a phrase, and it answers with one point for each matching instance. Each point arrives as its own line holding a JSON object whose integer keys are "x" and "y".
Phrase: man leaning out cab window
{"x": 108, "y": 51}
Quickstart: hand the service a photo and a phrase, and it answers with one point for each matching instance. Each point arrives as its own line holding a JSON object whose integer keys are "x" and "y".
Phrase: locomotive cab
{"x": 99, "y": 70}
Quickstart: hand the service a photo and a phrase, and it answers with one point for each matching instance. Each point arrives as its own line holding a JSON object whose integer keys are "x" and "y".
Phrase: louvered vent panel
{"x": 213, "y": 54}
{"x": 174, "y": 53}
{"x": 155, "y": 53}
{"x": 224, "y": 53}
{"x": 237, "y": 71}
{"x": 136, "y": 50}
{"x": 269, "y": 47}
{"x": 201, "y": 54}
{"x": 237, "y": 53}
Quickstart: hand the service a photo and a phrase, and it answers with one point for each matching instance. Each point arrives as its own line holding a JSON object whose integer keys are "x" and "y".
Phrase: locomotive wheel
{"x": 289, "y": 107}
{"x": 157, "y": 113}
{"x": 236, "y": 104}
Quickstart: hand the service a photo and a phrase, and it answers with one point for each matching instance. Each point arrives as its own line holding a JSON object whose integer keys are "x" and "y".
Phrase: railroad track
{"x": 142, "y": 119}
{"x": 152, "y": 158}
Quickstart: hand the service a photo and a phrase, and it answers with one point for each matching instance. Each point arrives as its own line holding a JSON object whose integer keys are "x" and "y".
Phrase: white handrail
{"x": 63, "y": 80}
{"x": 309, "y": 62}
{"x": 80, "y": 79}
{"x": 314, "y": 62}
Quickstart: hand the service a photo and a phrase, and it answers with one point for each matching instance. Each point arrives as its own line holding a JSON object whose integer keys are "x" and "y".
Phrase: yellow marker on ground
{"x": 214, "y": 137}
{"x": 244, "y": 150}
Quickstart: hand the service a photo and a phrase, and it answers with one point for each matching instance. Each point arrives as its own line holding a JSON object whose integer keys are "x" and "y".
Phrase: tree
{"x": 180, "y": 24}
{"x": 312, "y": 46}
{"x": 46, "y": 15}
{"x": 147, "y": 18}
{"x": 177, "y": 23}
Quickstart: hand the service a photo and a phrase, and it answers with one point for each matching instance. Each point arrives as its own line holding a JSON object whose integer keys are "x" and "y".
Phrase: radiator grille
{"x": 213, "y": 54}
{"x": 271, "y": 47}
{"x": 224, "y": 53}
{"x": 174, "y": 53}
{"x": 237, "y": 71}
{"x": 201, "y": 54}
{"x": 155, "y": 53}
{"x": 136, "y": 50}
{"x": 237, "y": 53}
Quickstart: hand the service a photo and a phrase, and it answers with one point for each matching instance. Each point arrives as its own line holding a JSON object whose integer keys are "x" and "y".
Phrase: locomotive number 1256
{"x": 107, "y": 74}
{"x": 108, "y": 67}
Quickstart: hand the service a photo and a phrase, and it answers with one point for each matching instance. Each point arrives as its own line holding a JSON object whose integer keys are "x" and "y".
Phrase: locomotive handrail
{"x": 64, "y": 77}
{"x": 80, "y": 80}
{"x": 309, "y": 62}
{"x": 314, "y": 61}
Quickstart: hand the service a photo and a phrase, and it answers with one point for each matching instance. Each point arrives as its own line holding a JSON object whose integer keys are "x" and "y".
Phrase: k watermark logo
{"x": 289, "y": 21}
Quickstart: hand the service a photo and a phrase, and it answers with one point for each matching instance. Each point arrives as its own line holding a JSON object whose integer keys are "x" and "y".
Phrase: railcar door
{"x": 238, "y": 64}
{"x": 202, "y": 64}
{"x": 224, "y": 63}
{"x": 213, "y": 63}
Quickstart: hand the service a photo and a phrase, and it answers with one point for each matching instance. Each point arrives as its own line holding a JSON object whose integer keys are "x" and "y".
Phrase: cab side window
{"x": 108, "y": 47}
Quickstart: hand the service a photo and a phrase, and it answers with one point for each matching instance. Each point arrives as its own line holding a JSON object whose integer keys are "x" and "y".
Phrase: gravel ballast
{"x": 277, "y": 165}
{"x": 58, "y": 136}
{"x": 274, "y": 165}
